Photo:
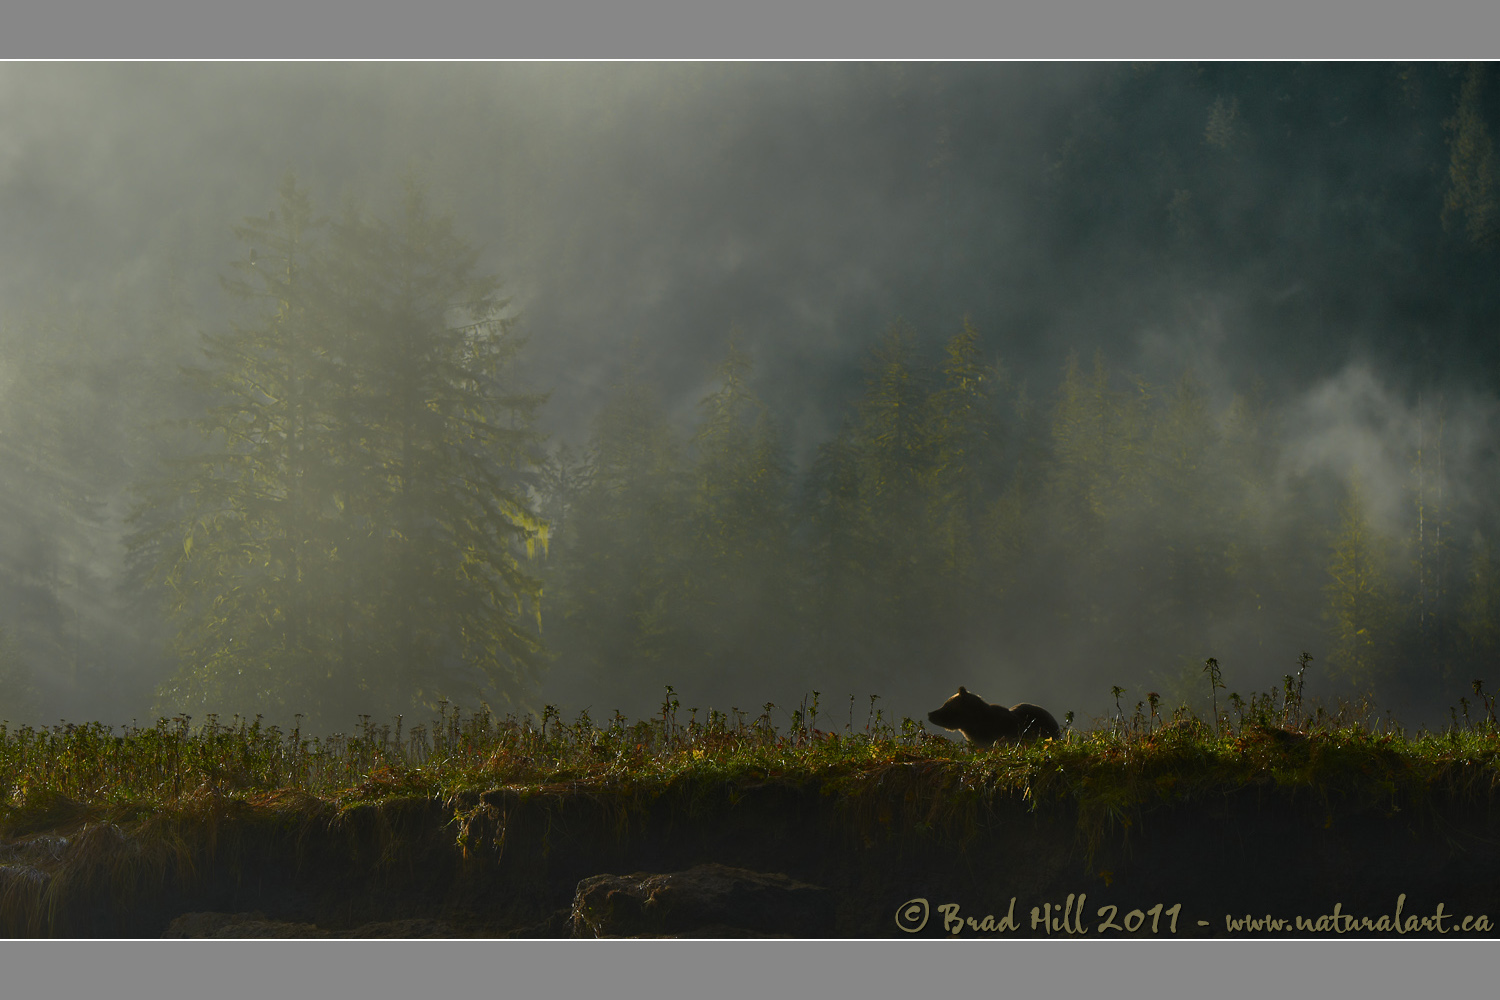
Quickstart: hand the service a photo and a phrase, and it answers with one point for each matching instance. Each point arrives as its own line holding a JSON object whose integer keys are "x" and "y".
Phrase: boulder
{"x": 710, "y": 900}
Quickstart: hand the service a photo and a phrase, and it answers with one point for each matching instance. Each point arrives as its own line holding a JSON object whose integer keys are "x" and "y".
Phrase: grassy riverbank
{"x": 69, "y": 774}
{"x": 465, "y": 810}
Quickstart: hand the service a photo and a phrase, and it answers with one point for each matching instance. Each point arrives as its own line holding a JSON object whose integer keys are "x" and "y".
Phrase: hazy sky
{"x": 1273, "y": 222}
{"x": 806, "y": 205}
{"x": 667, "y": 204}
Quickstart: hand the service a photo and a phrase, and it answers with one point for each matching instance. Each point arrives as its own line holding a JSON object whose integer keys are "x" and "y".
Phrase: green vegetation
{"x": 76, "y": 775}
{"x": 345, "y": 505}
{"x": 355, "y": 520}
{"x": 91, "y": 818}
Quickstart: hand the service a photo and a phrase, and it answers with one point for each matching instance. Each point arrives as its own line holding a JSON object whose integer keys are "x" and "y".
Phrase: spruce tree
{"x": 1479, "y": 614}
{"x": 621, "y": 561}
{"x": 1359, "y": 608}
{"x": 962, "y": 480}
{"x": 740, "y": 579}
{"x": 351, "y": 539}
{"x": 965, "y": 432}
{"x": 450, "y": 447}
{"x": 227, "y": 531}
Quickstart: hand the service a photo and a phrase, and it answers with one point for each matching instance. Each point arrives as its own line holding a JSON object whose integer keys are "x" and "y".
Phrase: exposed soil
{"x": 505, "y": 863}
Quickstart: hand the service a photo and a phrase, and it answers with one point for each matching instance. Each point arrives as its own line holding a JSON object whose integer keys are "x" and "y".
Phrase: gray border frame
{"x": 828, "y": 29}
{"x": 814, "y": 29}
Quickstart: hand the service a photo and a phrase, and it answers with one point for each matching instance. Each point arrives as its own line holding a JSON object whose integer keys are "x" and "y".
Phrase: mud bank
{"x": 508, "y": 862}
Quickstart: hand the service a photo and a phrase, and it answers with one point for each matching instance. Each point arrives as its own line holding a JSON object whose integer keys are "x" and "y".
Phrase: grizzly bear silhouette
{"x": 984, "y": 724}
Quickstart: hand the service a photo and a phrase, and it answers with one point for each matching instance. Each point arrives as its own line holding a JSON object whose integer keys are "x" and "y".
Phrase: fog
{"x": 1285, "y": 272}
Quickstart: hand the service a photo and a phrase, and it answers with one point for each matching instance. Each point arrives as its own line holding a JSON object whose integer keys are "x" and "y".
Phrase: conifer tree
{"x": 895, "y": 442}
{"x": 1254, "y": 565}
{"x": 451, "y": 446}
{"x": 351, "y": 538}
{"x": 868, "y": 502}
{"x": 1190, "y": 520}
{"x": 965, "y": 435}
{"x": 740, "y": 579}
{"x": 962, "y": 481}
{"x": 842, "y": 552}
{"x": 623, "y": 556}
{"x": 739, "y": 473}
{"x": 1359, "y": 598}
{"x": 1479, "y": 615}
{"x": 1472, "y": 192}
{"x": 1098, "y": 488}
{"x": 227, "y": 532}
{"x": 1099, "y": 438}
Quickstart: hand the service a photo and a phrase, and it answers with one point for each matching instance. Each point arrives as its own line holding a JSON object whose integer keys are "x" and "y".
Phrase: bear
{"x": 985, "y": 725}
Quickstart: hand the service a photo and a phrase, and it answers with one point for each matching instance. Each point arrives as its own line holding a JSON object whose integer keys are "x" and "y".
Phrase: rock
{"x": 710, "y": 900}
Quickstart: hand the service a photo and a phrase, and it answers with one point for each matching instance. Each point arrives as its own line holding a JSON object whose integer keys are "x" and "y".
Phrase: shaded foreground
{"x": 477, "y": 827}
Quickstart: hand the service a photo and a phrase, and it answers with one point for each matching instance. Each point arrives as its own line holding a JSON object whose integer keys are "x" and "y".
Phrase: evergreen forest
{"x": 369, "y": 474}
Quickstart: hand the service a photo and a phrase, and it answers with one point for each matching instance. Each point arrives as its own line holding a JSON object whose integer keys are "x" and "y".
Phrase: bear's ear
{"x": 961, "y": 690}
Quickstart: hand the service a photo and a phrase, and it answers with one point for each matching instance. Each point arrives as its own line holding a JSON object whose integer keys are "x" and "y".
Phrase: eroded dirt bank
{"x": 507, "y": 862}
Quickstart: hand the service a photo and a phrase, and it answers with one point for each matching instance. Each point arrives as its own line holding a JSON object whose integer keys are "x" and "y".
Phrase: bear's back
{"x": 1033, "y": 722}
{"x": 991, "y": 724}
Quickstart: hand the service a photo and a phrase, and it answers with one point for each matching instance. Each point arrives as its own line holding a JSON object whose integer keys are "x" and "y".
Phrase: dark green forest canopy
{"x": 860, "y": 378}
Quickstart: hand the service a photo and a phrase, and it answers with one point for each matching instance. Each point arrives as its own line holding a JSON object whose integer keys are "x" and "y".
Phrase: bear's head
{"x": 958, "y": 711}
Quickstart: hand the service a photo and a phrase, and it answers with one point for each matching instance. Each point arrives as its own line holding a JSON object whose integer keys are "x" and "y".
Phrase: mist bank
{"x": 1042, "y": 545}
{"x": 1287, "y": 269}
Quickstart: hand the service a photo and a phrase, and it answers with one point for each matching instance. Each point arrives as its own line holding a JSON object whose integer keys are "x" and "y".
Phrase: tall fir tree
{"x": 895, "y": 453}
{"x": 621, "y": 618}
{"x": 741, "y": 583}
{"x": 841, "y": 553}
{"x": 963, "y": 475}
{"x": 353, "y": 537}
{"x": 1479, "y": 613}
{"x": 965, "y": 435}
{"x": 227, "y": 532}
{"x": 1097, "y": 485}
{"x": 1190, "y": 520}
{"x": 452, "y": 445}
{"x": 1359, "y": 608}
